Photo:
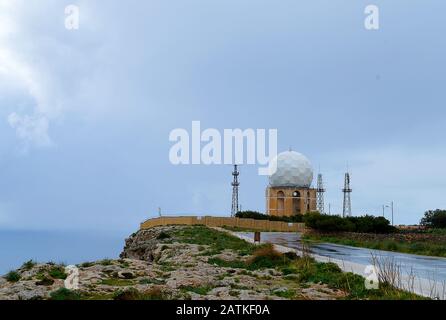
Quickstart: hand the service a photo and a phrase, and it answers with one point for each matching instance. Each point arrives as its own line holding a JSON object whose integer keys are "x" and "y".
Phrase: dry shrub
{"x": 154, "y": 293}
{"x": 267, "y": 251}
{"x": 266, "y": 257}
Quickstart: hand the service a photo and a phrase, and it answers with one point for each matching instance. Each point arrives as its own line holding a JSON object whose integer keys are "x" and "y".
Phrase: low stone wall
{"x": 251, "y": 224}
{"x": 408, "y": 237}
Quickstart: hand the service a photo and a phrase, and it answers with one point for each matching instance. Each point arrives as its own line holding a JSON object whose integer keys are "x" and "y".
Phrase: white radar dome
{"x": 293, "y": 170}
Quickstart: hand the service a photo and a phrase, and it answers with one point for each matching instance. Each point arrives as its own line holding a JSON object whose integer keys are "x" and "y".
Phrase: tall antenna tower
{"x": 347, "y": 207}
{"x": 235, "y": 185}
{"x": 320, "y": 195}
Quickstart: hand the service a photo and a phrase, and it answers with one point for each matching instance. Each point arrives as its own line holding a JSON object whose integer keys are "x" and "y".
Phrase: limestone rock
{"x": 154, "y": 264}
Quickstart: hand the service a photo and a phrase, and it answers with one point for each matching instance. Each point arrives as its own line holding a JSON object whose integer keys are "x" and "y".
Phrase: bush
{"x": 260, "y": 216}
{"x": 58, "y": 272}
{"x": 64, "y": 294}
{"x": 265, "y": 257}
{"x": 133, "y": 294}
{"x": 364, "y": 224}
{"x": 129, "y": 294}
{"x": 127, "y": 275}
{"x": 28, "y": 265}
{"x": 13, "y": 276}
{"x": 106, "y": 262}
{"x": 87, "y": 264}
{"x": 113, "y": 282}
{"x": 163, "y": 235}
{"x": 434, "y": 219}
{"x": 45, "y": 281}
{"x": 151, "y": 281}
{"x": 371, "y": 224}
{"x": 201, "y": 290}
{"x": 328, "y": 223}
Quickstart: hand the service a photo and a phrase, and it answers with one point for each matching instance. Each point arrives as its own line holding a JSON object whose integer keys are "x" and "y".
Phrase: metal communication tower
{"x": 347, "y": 207}
{"x": 235, "y": 185}
{"x": 320, "y": 195}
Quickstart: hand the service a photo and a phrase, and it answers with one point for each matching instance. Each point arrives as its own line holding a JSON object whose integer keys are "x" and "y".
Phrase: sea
{"x": 69, "y": 247}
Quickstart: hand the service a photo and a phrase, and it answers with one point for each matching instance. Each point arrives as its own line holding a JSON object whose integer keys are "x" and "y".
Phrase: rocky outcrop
{"x": 33, "y": 284}
{"x": 142, "y": 244}
{"x": 155, "y": 264}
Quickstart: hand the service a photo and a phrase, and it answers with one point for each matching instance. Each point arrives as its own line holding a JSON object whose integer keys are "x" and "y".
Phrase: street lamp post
{"x": 391, "y": 209}
{"x": 391, "y": 205}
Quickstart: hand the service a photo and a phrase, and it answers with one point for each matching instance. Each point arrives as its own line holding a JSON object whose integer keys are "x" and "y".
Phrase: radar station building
{"x": 289, "y": 190}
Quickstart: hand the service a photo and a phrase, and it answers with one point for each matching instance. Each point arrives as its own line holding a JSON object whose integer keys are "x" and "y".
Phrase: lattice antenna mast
{"x": 235, "y": 185}
{"x": 320, "y": 195}
{"x": 347, "y": 207}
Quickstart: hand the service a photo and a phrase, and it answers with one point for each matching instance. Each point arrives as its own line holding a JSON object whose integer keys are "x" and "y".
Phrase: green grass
{"x": 247, "y": 273}
{"x": 208, "y": 253}
{"x": 166, "y": 266}
{"x": 436, "y": 231}
{"x": 236, "y": 264}
{"x": 64, "y": 294}
{"x": 45, "y": 281}
{"x": 304, "y": 271}
{"x": 28, "y": 265}
{"x": 201, "y": 290}
{"x": 123, "y": 263}
{"x": 216, "y": 240}
{"x": 287, "y": 294}
{"x": 151, "y": 281}
{"x": 421, "y": 248}
{"x": 117, "y": 282}
{"x": 235, "y": 286}
{"x": 310, "y": 271}
{"x": 133, "y": 294}
{"x": 239, "y": 229}
{"x": 97, "y": 296}
{"x": 234, "y": 293}
{"x": 87, "y": 264}
{"x": 57, "y": 272}
{"x": 106, "y": 262}
{"x": 12, "y": 276}
{"x": 307, "y": 270}
{"x": 262, "y": 258}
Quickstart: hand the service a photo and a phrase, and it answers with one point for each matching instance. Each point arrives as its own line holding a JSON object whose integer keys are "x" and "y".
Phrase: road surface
{"x": 429, "y": 272}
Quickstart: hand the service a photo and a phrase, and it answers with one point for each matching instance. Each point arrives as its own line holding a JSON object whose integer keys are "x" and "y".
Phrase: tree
{"x": 364, "y": 224}
{"x": 434, "y": 219}
{"x": 261, "y": 216}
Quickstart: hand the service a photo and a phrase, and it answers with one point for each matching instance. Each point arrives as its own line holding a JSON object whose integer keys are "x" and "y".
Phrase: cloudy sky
{"x": 85, "y": 115}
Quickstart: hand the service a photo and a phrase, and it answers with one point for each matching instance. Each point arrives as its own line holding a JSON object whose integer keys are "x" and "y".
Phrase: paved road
{"x": 423, "y": 267}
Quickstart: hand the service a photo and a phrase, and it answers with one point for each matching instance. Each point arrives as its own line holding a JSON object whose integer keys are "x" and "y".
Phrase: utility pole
{"x": 235, "y": 184}
{"x": 347, "y": 205}
{"x": 320, "y": 194}
{"x": 391, "y": 209}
